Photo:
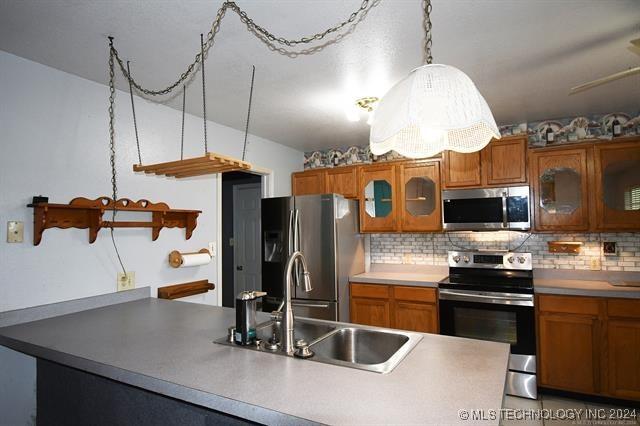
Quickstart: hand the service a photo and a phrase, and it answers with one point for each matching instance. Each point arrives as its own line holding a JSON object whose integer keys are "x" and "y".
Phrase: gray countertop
{"x": 544, "y": 284}
{"x": 399, "y": 278}
{"x": 166, "y": 347}
{"x": 584, "y": 288}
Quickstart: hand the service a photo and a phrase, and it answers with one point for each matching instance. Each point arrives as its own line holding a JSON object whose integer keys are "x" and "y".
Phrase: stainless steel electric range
{"x": 489, "y": 296}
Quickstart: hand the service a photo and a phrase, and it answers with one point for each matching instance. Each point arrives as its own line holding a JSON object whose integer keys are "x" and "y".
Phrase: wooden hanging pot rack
{"x": 83, "y": 213}
{"x": 208, "y": 164}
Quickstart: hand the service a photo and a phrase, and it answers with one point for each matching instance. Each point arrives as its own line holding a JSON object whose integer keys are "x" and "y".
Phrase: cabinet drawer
{"x": 415, "y": 294}
{"x": 376, "y": 291}
{"x": 569, "y": 304}
{"x": 624, "y": 308}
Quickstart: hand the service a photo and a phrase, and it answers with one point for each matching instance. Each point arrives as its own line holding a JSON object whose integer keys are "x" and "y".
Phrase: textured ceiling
{"x": 523, "y": 55}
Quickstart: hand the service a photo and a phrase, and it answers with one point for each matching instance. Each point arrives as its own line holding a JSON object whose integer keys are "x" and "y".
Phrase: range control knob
{"x": 510, "y": 259}
{"x": 522, "y": 259}
{"x": 456, "y": 258}
{"x": 466, "y": 259}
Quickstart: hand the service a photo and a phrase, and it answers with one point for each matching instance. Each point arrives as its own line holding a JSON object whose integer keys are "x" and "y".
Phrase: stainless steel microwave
{"x": 486, "y": 209}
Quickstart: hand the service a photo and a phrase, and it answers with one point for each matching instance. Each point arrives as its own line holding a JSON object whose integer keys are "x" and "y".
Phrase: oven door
{"x": 498, "y": 317}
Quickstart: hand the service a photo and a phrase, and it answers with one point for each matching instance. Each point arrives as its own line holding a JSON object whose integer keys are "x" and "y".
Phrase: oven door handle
{"x": 524, "y": 300}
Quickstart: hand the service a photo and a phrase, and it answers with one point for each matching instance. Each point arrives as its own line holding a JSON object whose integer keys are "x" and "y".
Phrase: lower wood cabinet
{"x": 402, "y": 307}
{"x": 589, "y": 345}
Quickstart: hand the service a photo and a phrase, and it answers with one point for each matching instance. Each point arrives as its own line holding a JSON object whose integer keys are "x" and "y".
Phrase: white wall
{"x": 54, "y": 142}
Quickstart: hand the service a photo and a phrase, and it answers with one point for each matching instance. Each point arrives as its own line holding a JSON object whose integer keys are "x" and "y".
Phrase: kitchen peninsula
{"x": 165, "y": 347}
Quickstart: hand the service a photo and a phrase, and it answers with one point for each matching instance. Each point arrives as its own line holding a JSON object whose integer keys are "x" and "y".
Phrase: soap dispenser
{"x": 245, "y": 333}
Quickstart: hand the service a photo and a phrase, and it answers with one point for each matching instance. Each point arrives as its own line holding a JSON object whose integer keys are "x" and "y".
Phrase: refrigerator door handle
{"x": 290, "y": 234}
{"x": 296, "y": 246}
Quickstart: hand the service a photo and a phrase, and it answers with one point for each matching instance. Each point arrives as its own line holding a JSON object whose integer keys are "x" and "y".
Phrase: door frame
{"x": 267, "y": 191}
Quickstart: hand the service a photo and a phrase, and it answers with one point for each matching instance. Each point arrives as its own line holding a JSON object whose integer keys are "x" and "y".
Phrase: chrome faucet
{"x": 287, "y": 320}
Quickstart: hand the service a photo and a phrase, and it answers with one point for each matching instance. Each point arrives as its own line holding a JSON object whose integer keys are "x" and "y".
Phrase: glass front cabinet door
{"x": 420, "y": 206}
{"x": 560, "y": 184}
{"x": 377, "y": 201}
{"x": 617, "y": 186}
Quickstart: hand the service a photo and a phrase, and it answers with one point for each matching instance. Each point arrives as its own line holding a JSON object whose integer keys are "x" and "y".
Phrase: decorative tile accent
{"x": 565, "y": 130}
{"x": 431, "y": 249}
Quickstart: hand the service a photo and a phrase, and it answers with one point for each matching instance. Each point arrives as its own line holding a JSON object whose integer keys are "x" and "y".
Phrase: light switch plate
{"x": 594, "y": 264}
{"x": 126, "y": 282}
{"x": 212, "y": 249}
{"x": 15, "y": 232}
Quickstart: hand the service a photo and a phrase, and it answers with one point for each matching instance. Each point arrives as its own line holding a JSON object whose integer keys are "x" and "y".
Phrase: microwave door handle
{"x": 505, "y": 221}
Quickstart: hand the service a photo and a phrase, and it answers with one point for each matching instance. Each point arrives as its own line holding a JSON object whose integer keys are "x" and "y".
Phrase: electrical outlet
{"x": 15, "y": 232}
{"x": 212, "y": 249}
{"x": 594, "y": 265}
{"x": 126, "y": 282}
{"x": 609, "y": 248}
{"x": 407, "y": 258}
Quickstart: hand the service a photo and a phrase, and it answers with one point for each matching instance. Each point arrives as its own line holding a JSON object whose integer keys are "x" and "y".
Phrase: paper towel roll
{"x": 195, "y": 259}
{"x": 178, "y": 260}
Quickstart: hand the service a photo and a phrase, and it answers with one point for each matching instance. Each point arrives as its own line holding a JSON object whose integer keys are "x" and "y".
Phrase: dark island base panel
{"x": 71, "y": 397}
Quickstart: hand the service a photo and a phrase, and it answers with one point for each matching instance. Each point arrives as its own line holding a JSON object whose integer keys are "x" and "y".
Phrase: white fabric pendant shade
{"x": 435, "y": 108}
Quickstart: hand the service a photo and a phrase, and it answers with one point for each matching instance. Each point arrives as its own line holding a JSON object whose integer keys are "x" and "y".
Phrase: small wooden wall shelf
{"x": 210, "y": 163}
{"x": 569, "y": 247}
{"x": 183, "y": 290}
{"x": 84, "y": 213}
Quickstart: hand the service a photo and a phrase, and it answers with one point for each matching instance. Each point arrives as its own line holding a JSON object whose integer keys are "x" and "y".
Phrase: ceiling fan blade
{"x": 604, "y": 80}
{"x": 636, "y": 42}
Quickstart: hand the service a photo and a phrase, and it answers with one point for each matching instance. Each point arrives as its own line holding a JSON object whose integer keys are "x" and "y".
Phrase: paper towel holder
{"x": 176, "y": 260}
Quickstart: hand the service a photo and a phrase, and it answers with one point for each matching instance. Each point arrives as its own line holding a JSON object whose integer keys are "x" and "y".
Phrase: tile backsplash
{"x": 431, "y": 249}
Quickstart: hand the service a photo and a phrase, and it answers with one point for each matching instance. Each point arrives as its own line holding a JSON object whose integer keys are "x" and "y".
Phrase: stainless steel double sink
{"x": 364, "y": 348}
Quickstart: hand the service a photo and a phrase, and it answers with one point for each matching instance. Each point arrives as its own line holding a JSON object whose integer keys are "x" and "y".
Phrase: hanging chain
{"x": 135, "y": 122}
{"x": 246, "y": 127}
{"x": 427, "y": 32}
{"x": 215, "y": 27}
{"x": 204, "y": 96}
{"x": 184, "y": 97}
{"x": 112, "y": 141}
{"x": 112, "y": 147}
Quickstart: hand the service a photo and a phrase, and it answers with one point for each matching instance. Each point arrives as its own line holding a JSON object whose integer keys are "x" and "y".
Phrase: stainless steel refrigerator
{"x": 325, "y": 229}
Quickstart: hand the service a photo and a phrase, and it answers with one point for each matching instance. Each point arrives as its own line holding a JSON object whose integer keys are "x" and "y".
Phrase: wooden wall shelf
{"x": 83, "y": 213}
{"x": 210, "y": 163}
{"x": 177, "y": 291}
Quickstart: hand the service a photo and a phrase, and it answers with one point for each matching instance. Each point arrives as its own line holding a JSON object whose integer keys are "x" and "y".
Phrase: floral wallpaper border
{"x": 565, "y": 130}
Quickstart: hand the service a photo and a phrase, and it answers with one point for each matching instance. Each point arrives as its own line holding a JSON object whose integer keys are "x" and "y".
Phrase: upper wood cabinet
{"x": 502, "y": 162}
{"x": 419, "y": 198}
{"x": 343, "y": 181}
{"x": 308, "y": 182}
{"x": 617, "y": 186}
{"x": 560, "y": 183}
{"x": 505, "y": 161}
{"x": 461, "y": 170}
{"x": 378, "y": 198}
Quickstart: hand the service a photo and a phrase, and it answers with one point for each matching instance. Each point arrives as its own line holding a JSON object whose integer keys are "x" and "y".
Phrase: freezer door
{"x": 315, "y": 309}
{"x": 314, "y": 226}
{"x": 277, "y": 244}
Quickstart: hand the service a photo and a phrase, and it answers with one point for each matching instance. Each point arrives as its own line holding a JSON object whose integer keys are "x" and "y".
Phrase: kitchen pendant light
{"x": 435, "y": 108}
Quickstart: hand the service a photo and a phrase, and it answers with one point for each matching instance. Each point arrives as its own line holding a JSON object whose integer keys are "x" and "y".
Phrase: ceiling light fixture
{"x": 367, "y": 104}
{"x": 435, "y": 108}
